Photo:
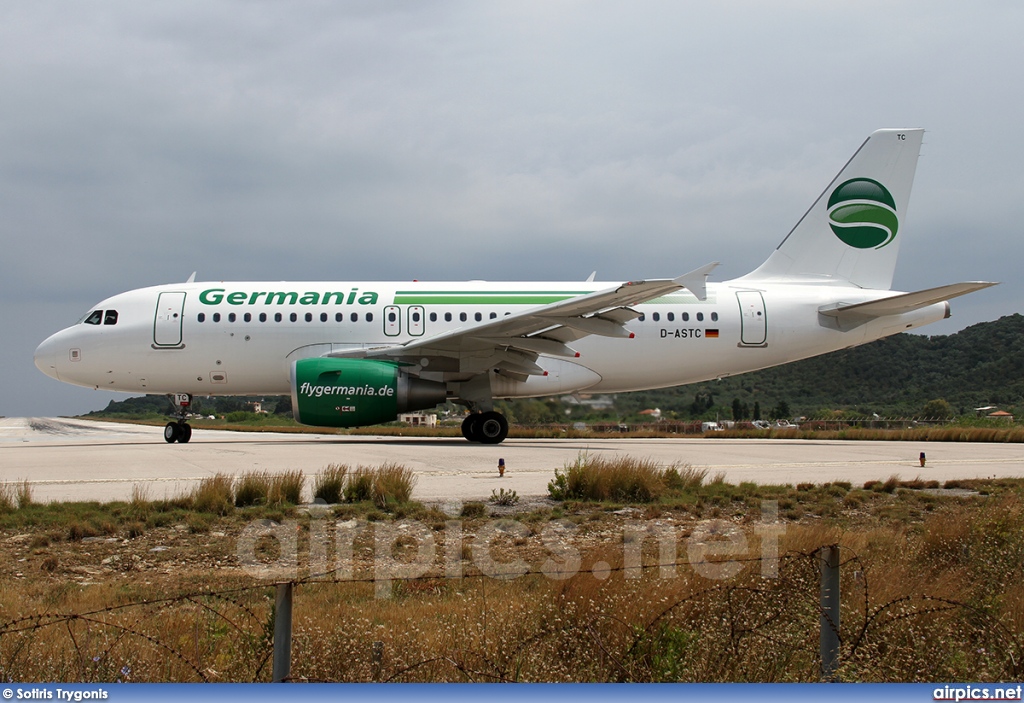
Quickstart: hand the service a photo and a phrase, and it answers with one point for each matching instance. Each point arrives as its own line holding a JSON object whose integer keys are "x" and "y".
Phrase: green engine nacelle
{"x": 354, "y": 392}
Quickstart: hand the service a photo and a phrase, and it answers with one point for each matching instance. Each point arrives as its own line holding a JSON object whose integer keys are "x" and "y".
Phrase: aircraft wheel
{"x": 492, "y": 428}
{"x": 186, "y": 433}
{"x": 172, "y": 432}
{"x": 471, "y": 427}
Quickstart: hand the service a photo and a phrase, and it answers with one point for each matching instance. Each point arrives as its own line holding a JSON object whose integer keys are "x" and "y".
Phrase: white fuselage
{"x": 241, "y": 338}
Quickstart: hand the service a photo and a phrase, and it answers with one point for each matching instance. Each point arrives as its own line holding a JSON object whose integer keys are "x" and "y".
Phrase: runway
{"x": 71, "y": 459}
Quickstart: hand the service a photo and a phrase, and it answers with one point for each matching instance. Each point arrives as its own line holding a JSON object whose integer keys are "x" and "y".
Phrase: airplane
{"x": 360, "y": 353}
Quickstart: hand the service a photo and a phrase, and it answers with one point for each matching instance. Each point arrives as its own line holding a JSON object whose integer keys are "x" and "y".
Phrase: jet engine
{"x": 330, "y": 392}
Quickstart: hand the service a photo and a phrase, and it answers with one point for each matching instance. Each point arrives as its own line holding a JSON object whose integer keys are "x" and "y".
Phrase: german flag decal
{"x": 711, "y": 334}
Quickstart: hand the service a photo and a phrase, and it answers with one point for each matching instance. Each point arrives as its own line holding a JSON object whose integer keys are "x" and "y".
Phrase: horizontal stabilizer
{"x": 859, "y": 313}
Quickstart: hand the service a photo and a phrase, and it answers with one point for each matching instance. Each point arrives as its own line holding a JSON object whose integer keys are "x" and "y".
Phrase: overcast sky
{"x": 480, "y": 140}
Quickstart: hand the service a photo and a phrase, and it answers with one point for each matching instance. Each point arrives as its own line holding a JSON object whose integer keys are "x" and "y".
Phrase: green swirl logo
{"x": 862, "y": 213}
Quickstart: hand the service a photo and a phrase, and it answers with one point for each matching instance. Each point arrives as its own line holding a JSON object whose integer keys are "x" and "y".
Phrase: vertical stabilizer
{"x": 852, "y": 232}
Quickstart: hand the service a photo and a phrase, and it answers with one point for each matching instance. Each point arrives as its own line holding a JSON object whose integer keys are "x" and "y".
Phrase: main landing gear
{"x": 489, "y": 427}
{"x": 179, "y": 430}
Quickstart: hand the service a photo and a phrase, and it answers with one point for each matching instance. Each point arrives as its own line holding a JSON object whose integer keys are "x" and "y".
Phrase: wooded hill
{"x": 893, "y": 377}
{"x": 980, "y": 365}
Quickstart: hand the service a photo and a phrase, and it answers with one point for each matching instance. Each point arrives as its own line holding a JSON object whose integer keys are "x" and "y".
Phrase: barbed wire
{"x": 873, "y": 619}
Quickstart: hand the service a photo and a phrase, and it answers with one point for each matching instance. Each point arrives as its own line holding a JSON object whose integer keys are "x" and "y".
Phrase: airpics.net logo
{"x": 862, "y": 213}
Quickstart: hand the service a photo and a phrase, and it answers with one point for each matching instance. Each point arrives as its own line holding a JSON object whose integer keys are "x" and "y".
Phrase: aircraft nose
{"x": 46, "y": 357}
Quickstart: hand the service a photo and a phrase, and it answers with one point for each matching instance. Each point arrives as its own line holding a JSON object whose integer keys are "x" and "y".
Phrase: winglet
{"x": 192, "y": 278}
{"x": 696, "y": 281}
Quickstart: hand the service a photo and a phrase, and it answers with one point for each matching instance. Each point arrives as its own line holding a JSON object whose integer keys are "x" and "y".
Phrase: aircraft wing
{"x": 513, "y": 342}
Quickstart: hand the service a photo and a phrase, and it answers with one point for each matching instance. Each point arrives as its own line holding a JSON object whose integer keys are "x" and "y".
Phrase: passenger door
{"x": 167, "y": 325}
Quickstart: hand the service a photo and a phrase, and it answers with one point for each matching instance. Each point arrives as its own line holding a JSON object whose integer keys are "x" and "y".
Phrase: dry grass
{"x": 329, "y": 483}
{"x": 928, "y": 598}
{"x": 386, "y": 486}
{"x": 626, "y": 479}
{"x": 252, "y": 488}
{"x": 286, "y": 488}
{"x": 214, "y": 494}
{"x": 7, "y": 500}
{"x": 15, "y": 496}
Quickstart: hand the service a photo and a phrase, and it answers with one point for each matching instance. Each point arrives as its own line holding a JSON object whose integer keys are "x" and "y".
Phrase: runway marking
{"x": 872, "y": 462}
{"x": 78, "y": 481}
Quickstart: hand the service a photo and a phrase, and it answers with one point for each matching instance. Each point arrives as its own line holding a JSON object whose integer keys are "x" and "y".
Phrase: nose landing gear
{"x": 179, "y": 430}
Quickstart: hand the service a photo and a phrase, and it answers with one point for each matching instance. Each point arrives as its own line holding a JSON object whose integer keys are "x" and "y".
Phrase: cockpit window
{"x": 110, "y": 317}
{"x": 94, "y": 318}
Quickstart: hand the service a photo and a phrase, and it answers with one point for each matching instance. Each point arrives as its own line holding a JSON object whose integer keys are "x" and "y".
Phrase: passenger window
{"x": 323, "y": 317}
{"x": 263, "y": 317}
{"x": 462, "y": 316}
{"x": 369, "y": 317}
{"x": 686, "y": 317}
{"x": 294, "y": 317}
{"x": 478, "y": 317}
{"x": 714, "y": 317}
{"x": 642, "y": 317}
{"x": 415, "y": 317}
{"x": 309, "y": 317}
{"x": 354, "y": 317}
{"x": 201, "y": 317}
{"x": 110, "y": 318}
{"x": 656, "y": 316}
{"x": 447, "y": 317}
{"x": 277, "y": 317}
{"x": 247, "y": 317}
{"x": 392, "y": 317}
{"x": 700, "y": 317}
{"x": 94, "y": 318}
{"x": 670, "y": 316}
{"x": 338, "y": 317}
{"x": 494, "y": 315}
{"x": 216, "y": 317}
{"x": 433, "y": 317}
{"x": 231, "y": 317}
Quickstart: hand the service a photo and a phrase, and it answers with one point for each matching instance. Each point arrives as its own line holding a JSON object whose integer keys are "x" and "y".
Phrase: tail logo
{"x": 862, "y": 213}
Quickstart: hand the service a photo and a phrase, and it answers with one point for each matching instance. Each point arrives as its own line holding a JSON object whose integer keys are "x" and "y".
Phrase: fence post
{"x": 828, "y": 563}
{"x": 283, "y": 632}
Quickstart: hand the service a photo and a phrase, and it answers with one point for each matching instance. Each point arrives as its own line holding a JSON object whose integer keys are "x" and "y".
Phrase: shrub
{"x": 78, "y": 531}
{"x": 23, "y": 493}
{"x": 504, "y": 497}
{"x": 474, "y": 509}
{"x": 6, "y": 499}
{"x": 243, "y": 416}
{"x": 393, "y": 483}
{"x": 328, "y": 484}
{"x": 620, "y": 479}
{"x": 286, "y": 488}
{"x": 683, "y": 477}
{"x": 253, "y": 488}
{"x": 387, "y": 485}
{"x": 134, "y": 529}
{"x": 214, "y": 494}
{"x": 15, "y": 496}
{"x": 359, "y": 486}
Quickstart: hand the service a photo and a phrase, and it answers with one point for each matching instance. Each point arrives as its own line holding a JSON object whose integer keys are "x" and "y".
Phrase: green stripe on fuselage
{"x": 483, "y": 298}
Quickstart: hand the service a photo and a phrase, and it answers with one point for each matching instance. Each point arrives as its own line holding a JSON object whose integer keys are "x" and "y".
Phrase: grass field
{"x": 689, "y": 579}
